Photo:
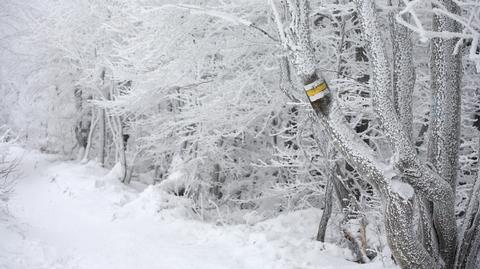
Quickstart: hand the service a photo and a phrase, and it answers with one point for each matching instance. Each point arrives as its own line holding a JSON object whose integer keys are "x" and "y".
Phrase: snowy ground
{"x": 69, "y": 215}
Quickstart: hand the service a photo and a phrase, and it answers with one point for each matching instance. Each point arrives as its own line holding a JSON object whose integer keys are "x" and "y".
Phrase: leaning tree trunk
{"x": 339, "y": 180}
{"x": 327, "y": 210}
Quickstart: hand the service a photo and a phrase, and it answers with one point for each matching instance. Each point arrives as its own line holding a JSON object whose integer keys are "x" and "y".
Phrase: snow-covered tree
{"x": 433, "y": 180}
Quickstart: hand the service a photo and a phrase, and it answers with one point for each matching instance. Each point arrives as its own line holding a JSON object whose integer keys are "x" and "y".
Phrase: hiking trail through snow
{"x": 66, "y": 215}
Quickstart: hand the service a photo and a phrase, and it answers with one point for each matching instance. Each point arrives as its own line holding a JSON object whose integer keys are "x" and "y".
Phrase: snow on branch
{"x": 470, "y": 23}
{"x": 228, "y": 17}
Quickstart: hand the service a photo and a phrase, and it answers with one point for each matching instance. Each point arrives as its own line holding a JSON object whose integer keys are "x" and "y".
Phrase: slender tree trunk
{"x": 102, "y": 133}
{"x": 403, "y": 75}
{"x": 122, "y": 147}
{"x": 327, "y": 211}
{"x": 94, "y": 121}
{"x": 102, "y": 126}
{"x": 83, "y": 125}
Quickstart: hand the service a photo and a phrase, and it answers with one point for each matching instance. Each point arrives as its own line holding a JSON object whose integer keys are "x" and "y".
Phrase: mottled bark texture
{"x": 403, "y": 75}
{"x": 404, "y": 244}
{"x": 444, "y": 136}
{"x": 444, "y": 127}
{"x": 398, "y": 209}
{"x": 403, "y": 86}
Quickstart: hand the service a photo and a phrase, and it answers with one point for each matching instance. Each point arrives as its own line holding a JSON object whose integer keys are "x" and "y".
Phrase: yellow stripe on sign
{"x": 320, "y": 88}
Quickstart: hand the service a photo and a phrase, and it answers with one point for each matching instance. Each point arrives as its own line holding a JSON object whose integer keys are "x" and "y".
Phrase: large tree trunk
{"x": 403, "y": 86}
{"x": 444, "y": 136}
{"x": 444, "y": 127}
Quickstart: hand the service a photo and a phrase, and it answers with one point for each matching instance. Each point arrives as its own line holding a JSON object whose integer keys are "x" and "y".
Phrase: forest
{"x": 218, "y": 134}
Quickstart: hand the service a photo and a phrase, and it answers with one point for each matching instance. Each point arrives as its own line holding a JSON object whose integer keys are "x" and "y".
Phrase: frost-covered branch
{"x": 470, "y": 22}
{"x": 228, "y": 17}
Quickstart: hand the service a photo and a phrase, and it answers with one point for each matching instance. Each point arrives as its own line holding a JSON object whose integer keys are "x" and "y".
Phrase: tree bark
{"x": 444, "y": 136}
{"x": 444, "y": 126}
{"x": 403, "y": 86}
{"x": 403, "y": 75}
{"x": 102, "y": 126}
{"x": 327, "y": 211}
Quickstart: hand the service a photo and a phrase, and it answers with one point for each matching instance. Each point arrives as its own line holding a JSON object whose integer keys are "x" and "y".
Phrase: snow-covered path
{"x": 68, "y": 215}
